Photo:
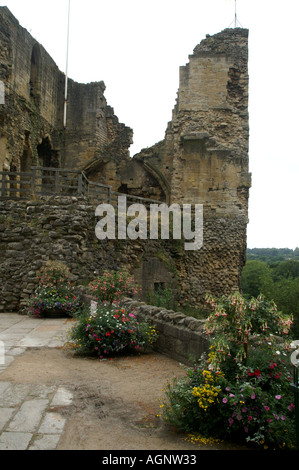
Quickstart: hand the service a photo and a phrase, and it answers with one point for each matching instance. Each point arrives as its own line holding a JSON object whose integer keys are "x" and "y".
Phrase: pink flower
{"x": 224, "y": 400}
{"x": 278, "y": 397}
{"x": 250, "y": 418}
{"x": 267, "y": 408}
{"x": 252, "y": 396}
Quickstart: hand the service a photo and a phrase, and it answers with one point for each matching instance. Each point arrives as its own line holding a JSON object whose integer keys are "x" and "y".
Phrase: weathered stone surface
{"x": 31, "y": 120}
{"x": 203, "y": 159}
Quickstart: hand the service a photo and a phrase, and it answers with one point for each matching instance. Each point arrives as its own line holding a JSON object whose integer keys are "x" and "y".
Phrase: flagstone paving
{"x": 27, "y": 420}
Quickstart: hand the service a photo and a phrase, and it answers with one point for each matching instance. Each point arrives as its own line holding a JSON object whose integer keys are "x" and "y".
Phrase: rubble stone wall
{"x": 63, "y": 228}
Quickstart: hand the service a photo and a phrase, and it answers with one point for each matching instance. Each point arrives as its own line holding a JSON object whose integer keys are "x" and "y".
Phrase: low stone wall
{"x": 180, "y": 337}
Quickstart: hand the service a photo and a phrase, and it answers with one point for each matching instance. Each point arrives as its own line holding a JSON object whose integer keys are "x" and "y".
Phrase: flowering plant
{"x": 54, "y": 292}
{"x": 112, "y": 286}
{"x": 54, "y": 274}
{"x": 110, "y": 330}
{"x": 240, "y": 389}
{"x": 193, "y": 400}
{"x": 234, "y": 323}
{"x": 47, "y": 299}
{"x": 257, "y": 404}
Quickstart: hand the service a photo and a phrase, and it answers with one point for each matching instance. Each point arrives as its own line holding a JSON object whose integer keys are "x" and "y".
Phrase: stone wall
{"x": 32, "y": 128}
{"x": 180, "y": 337}
{"x": 63, "y": 228}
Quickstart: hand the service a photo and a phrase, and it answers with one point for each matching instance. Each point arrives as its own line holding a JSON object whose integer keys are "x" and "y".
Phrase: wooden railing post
{"x": 80, "y": 186}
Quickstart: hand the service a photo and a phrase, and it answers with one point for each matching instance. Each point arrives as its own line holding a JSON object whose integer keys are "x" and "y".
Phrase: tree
{"x": 256, "y": 279}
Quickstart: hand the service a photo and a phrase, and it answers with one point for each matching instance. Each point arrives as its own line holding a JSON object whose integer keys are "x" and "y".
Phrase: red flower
{"x": 255, "y": 373}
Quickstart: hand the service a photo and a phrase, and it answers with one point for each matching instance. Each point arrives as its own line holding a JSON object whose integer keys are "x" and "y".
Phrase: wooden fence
{"x": 44, "y": 181}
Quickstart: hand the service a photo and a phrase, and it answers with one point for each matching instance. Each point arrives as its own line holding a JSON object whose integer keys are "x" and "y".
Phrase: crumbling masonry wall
{"x": 32, "y": 119}
{"x": 203, "y": 159}
{"x": 63, "y": 228}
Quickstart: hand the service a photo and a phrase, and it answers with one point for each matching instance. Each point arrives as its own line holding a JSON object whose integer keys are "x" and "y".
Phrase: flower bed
{"x": 53, "y": 302}
{"x": 110, "y": 330}
{"x": 239, "y": 390}
{"x": 54, "y": 296}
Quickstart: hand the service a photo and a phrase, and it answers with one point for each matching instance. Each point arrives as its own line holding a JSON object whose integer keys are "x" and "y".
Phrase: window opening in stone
{"x": 35, "y": 74}
{"x": 159, "y": 286}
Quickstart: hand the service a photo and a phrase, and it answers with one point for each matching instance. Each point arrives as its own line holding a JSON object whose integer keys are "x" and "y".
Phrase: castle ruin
{"x": 203, "y": 159}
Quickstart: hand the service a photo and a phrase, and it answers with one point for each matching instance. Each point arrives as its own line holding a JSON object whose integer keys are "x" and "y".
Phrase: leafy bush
{"x": 110, "y": 330}
{"x": 240, "y": 390}
{"x": 112, "y": 286}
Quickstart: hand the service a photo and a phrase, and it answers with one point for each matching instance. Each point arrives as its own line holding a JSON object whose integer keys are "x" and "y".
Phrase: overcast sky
{"x": 137, "y": 46}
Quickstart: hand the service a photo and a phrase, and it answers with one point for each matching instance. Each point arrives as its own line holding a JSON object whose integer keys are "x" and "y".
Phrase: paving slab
{"x": 15, "y": 440}
{"x": 53, "y": 423}
{"x": 45, "y": 442}
{"x": 26, "y": 422}
{"x": 29, "y": 416}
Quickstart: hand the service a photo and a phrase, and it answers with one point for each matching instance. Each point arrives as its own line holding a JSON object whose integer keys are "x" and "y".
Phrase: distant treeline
{"x": 272, "y": 255}
{"x": 274, "y": 273}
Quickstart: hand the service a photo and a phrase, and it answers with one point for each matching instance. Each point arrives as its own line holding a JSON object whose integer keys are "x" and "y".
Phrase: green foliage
{"x": 113, "y": 286}
{"x": 241, "y": 389}
{"x": 164, "y": 298}
{"x": 272, "y": 255}
{"x": 161, "y": 298}
{"x": 256, "y": 276}
{"x": 277, "y": 281}
{"x": 109, "y": 331}
{"x": 192, "y": 401}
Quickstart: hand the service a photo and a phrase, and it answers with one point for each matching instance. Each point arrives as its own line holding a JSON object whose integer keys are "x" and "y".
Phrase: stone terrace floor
{"x": 25, "y": 423}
